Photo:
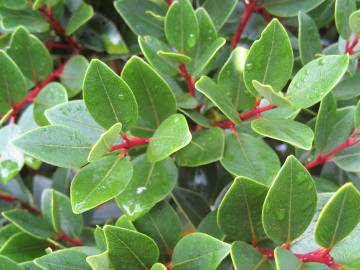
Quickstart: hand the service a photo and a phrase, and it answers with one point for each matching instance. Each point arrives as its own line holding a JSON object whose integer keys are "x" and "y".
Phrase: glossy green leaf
{"x": 231, "y": 80}
{"x": 30, "y": 54}
{"x": 339, "y": 216}
{"x": 100, "y": 261}
{"x": 248, "y": 156}
{"x": 151, "y": 183}
{"x": 309, "y": 38}
{"x": 220, "y": 13}
{"x": 79, "y": 18}
{"x": 52, "y": 143}
{"x": 290, "y": 8}
{"x": 63, "y": 260}
{"x": 153, "y": 95}
{"x": 107, "y": 97}
{"x": 290, "y": 131}
{"x": 213, "y": 92}
{"x": 348, "y": 159}
{"x": 130, "y": 250}
{"x": 176, "y": 57}
{"x": 7, "y": 264}
{"x": 172, "y": 135}
{"x": 158, "y": 266}
{"x": 50, "y": 96}
{"x": 239, "y": 214}
{"x": 270, "y": 59}
{"x": 206, "y": 146}
{"x": 10, "y": 93}
{"x": 245, "y": 256}
{"x": 270, "y": 94}
{"x": 99, "y": 182}
{"x": 125, "y": 222}
{"x": 316, "y": 79}
{"x": 354, "y": 22}
{"x": 13, "y": 4}
{"x": 181, "y": 26}
{"x": 346, "y": 89}
{"x": 343, "y": 10}
{"x": 103, "y": 144}
{"x": 75, "y": 115}
{"x": 73, "y": 74}
{"x": 290, "y": 203}
{"x": 199, "y": 251}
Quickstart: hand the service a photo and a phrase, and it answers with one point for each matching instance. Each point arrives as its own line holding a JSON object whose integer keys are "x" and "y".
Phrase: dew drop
{"x": 121, "y": 97}
{"x": 280, "y": 213}
{"x": 249, "y": 66}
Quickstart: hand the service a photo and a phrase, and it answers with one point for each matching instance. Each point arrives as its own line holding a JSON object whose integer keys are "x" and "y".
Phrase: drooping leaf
{"x": 275, "y": 98}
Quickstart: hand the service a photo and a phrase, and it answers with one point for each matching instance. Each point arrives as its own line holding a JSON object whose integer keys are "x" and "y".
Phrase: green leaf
{"x": 354, "y": 22}
{"x": 343, "y": 10}
{"x": 107, "y": 97}
{"x": 14, "y": 4}
{"x": 339, "y": 216}
{"x": 99, "y": 182}
{"x": 346, "y": 89}
{"x": 270, "y": 59}
{"x": 245, "y": 256}
{"x": 11, "y": 159}
{"x": 163, "y": 225}
{"x": 206, "y": 146}
{"x": 7, "y": 264}
{"x": 286, "y": 130}
{"x": 125, "y": 222}
{"x": 309, "y": 38}
{"x": 209, "y": 225}
{"x": 290, "y": 8}
{"x": 51, "y": 95}
{"x": 35, "y": 226}
{"x": 176, "y": 57}
{"x": 10, "y": 93}
{"x": 199, "y": 251}
{"x": 172, "y": 135}
{"x": 290, "y": 203}
{"x": 103, "y": 144}
{"x": 82, "y": 15}
{"x": 220, "y": 13}
{"x": 158, "y": 266}
{"x": 239, "y": 214}
{"x": 136, "y": 15}
{"x": 181, "y": 26}
{"x": 73, "y": 74}
{"x": 63, "y": 260}
{"x": 151, "y": 183}
{"x": 275, "y": 98}
{"x": 30, "y": 54}
{"x": 248, "y": 156}
{"x": 51, "y": 144}
{"x": 213, "y": 92}
{"x": 316, "y": 79}
{"x": 100, "y": 261}
{"x": 348, "y": 159}
{"x": 231, "y": 80}
{"x": 129, "y": 249}
{"x": 74, "y": 114}
{"x": 154, "y": 97}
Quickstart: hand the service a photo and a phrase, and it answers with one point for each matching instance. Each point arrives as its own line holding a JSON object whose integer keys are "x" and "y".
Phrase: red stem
{"x": 169, "y": 2}
{"x": 74, "y": 242}
{"x": 169, "y": 266}
{"x": 349, "y": 48}
{"x": 249, "y": 10}
{"x": 10, "y": 198}
{"x": 53, "y": 45}
{"x": 324, "y": 158}
{"x": 188, "y": 78}
{"x": 129, "y": 143}
{"x": 320, "y": 255}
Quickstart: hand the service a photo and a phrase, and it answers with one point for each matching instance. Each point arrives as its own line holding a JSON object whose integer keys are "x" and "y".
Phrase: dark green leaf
{"x": 343, "y": 10}
{"x": 247, "y": 257}
{"x": 63, "y": 260}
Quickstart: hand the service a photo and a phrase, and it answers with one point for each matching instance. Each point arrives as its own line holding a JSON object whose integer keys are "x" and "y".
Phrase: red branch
{"x": 61, "y": 46}
{"x": 129, "y": 143}
{"x": 349, "y": 48}
{"x": 320, "y": 255}
{"x": 169, "y": 2}
{"x": 188, "y": 78}
{"x": 74, "y": 242}
{"x": 324, "y": 158}
{"x": 10, "y": 198}
{"x": 249, "y": 10}
{"x": 32, "y": 94}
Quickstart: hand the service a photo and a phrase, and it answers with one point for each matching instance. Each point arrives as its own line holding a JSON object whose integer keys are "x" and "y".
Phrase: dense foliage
{"x": 185, "y": 135}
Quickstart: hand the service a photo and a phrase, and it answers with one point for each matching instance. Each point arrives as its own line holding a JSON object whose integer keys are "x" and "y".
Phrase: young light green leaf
{"x": 316, "y": 79}
{"x": 107, "y": 97}
{"x": 128, "y": 249}
{"x": 354, "y": 22}
{"x": 50, "y": 96}
{"x": 270, "y": 94}
{"x": 82, "y": 15}
{"x": 181, "y": 26}
{"x": 63, "y": 260}
{"x": 290, "y": 203}
{"x": 270, "y": 59}
{"x": 245, "y": 256}
{"x": 154, "y": 97}
{"x": 343, "y": 10}
{"x": 51, "y": 144}
{"x": 172, "y": 135}
{"x": 239, "y": 214}
{"x": 309, "y": 38}
{"x": 158, "y": 266}
{"x": 99, "y": 182}
{"x": 213, "y": 92}
{"x": 30, "y": 54}
{"x": 339, "y": 216}
{"x": 151, "y": 183}
{"x": 199, "y": 251}
{"x": 286, "y": 130}
{"x": 248, "y": 156}
{"x": 103, "y": 144}
{"x": 220, "y": 13}
{"x": 206, "y": 146}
